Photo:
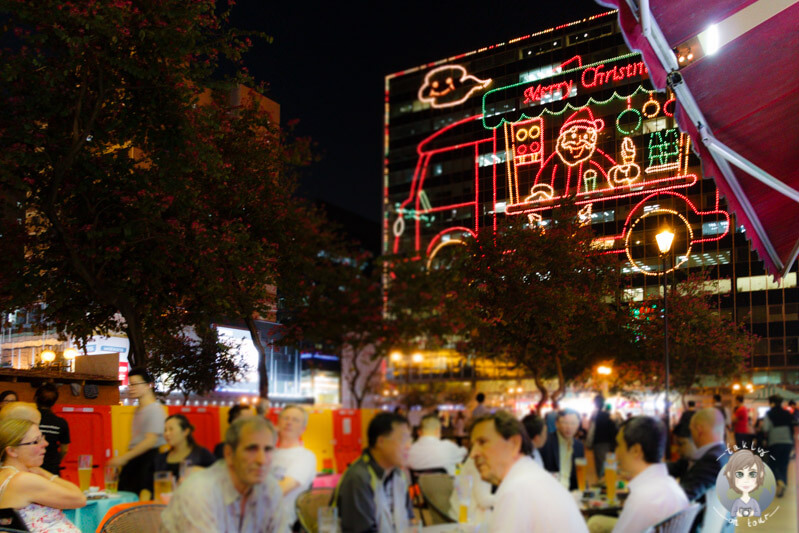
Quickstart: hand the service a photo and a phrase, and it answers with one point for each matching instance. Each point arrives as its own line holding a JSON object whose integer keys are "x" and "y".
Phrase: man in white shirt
{"x": 431, "y": 451}
{"x": 293, "y": 465}
{"x": 236, "y": 494}
{"x": 528, "y": 499}
{"x": 654, "y": 494}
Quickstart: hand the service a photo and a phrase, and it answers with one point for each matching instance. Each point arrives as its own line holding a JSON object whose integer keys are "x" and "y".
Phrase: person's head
{"x": 717, "y": 398}
{"x": 739, "y": 399}
{"x": 236, "y": 412}
{"x": 691, "y": 404}
{"x": 567, "y": 423}
{"x": 21, "y": 410}
{"x": 262, "y": 407}
{"x": 641, "y": 442}
{"x": 480, "y": 397}
{"x": 178, "y": 430}
{"x": 498, "y": 440}
{"x": 775, "y": 400}
{"x": 22, "y": 442}
{"x": 685, "y": 445}
{"x": 249, "y": 442}
{"x": 707, "y": 427}
{"x": 792, "y": 404}
{"x": 389, "y": 436}
{"x": 745, "y": 471}
{"x": 8, "y": 396}
{"x": 140, "y": 383}
{"x": 536, "y": 429}
{"x": 430, "y": 426}
{"x": 599, "y": 401}
{"x": 291, "y": 423}
{"x": 46, "y": 396}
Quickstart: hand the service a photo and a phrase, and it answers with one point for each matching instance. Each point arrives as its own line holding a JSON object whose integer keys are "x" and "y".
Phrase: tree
{"x": 541, "y": 297}
{"x": 195, "y": 362}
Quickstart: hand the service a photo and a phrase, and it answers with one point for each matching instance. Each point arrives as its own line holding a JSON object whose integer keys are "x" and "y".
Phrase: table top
{"x": 88, "y": 517}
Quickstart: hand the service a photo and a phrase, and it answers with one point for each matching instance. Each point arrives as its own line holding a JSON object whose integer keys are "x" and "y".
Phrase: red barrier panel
{"x": 273, "y": 414}
{"x": 347, "y": 437}
{"x": 205, "y": 421}
{"x": 90, "y": 433}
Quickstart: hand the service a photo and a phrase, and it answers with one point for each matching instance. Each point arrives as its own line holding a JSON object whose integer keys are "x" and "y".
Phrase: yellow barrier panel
{"x": 318, "y": 437}
{"x": 121, "y": 422}
{"x": 366, "y": 416}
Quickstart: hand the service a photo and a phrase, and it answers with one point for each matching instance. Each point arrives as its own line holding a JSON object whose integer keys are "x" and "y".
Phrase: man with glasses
{"x": 147, "y": 434}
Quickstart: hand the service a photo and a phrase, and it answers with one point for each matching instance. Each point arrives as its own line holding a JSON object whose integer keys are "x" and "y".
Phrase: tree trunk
{"x": 138, "y": 352}
{"x": 263, "y": 381}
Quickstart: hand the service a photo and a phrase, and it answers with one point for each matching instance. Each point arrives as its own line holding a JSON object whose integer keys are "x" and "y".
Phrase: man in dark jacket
{"x": 698, "y": 473}
{"x": 54, "y": 428}
{"x": 561, "y": 448}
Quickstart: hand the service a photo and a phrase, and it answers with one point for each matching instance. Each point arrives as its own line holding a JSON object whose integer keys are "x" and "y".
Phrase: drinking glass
{"x": 185, "y": 470}
{"x": 111, "y": 479}
{"x": 84, "y": 472}
{"x": 464, "y": 488}
{"x": 580, "y": 464}
{"x": 611, "y": 479}
{"x": 327, "y": 520}
{"x": 163, "y": 483}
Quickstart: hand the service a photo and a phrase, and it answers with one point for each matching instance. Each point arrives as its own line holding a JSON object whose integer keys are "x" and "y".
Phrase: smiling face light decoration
{"x": 578, "y": 136}
{"x": 449, "y": 85}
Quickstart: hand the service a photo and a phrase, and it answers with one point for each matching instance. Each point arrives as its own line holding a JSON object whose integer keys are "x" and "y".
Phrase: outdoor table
{"x": 87, "y": 518}
{"x": 453, "y": 528}
{"x": 599, "y": 504}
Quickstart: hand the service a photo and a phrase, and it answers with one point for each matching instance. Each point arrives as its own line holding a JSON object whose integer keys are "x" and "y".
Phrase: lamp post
{"x": 664, "y": 240}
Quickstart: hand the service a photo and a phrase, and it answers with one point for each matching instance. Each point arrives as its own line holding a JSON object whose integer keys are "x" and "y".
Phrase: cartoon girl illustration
{"x": 745, "y": 473}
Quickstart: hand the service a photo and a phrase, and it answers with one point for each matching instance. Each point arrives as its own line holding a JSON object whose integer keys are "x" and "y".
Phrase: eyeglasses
{"x": 134, "y": 383}
{"x": 35, "y": 442}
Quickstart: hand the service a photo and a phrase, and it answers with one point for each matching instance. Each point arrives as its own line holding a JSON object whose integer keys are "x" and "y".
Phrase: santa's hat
{"x": 583, "y": 117}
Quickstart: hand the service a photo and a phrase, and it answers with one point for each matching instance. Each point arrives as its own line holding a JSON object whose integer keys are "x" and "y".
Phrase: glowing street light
{"x": 736, "y": 387}
{"x": 604, "y": 370}
{"x": 665, "y": 238}
{"x": 417, "y": 357}
{"x": 70, "y": 354}
{"x": 396, "y": 357}
{"x": 48, "y": 356}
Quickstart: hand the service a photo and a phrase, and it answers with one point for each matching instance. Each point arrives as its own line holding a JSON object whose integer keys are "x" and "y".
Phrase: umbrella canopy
{"x": 732, "y": 67}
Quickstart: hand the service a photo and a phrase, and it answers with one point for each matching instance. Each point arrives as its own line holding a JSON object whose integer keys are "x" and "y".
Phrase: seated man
{"x": 654, "y": 495}
{"x": 536, "y": 430}
{"x": 293, "y": 465}
{"x": 528, "y": 498}
{"x": 235, "y": 412}
{"x": 561, "y": 448}
{"x": 431, "y": 451}
{"x": 235, "y": 494}
{"x": 372, "y": 495}
{"x": 698, "y": 473}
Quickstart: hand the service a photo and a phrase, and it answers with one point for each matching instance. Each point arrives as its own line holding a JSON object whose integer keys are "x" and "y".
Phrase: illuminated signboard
{"x": 449, "y": 85}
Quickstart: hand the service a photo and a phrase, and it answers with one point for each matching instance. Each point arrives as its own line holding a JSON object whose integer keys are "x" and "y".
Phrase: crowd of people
{"x": 523, "y": 473}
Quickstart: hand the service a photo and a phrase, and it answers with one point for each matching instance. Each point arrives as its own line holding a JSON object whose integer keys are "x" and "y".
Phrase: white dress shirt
{"x": 207, "y": 502}
{"x": 536, "y": 455}
{"x": 431, "y": 452}
{"x": 530, "y": 500}
{"x": 654, "y": 496}
{"x": 566, "y": 451}
{"x": 299, "y": 464}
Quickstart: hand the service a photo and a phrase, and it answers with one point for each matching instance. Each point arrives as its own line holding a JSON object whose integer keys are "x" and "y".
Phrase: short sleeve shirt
{"x": 299, "y": 464}
{"x": 56, "y": 431}
{"x": 148, "y": 419}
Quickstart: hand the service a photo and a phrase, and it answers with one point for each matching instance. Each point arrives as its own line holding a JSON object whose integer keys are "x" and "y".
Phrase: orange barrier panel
{"x": 205, "y": 421}
{"x": 273, "y": 414}
{"x": 347, "y": 437}
{"x": 90, "y": 433}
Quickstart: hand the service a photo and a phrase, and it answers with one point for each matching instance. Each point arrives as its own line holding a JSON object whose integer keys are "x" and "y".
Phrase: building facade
{"x": 514, "y": 129}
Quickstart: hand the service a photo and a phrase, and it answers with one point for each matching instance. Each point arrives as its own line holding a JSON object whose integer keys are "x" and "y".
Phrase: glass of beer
{"x": 84, "y": 472}
{"x": 111, "y": 479}
{"x": 610, "y": 479}
{"x": 162, "y": 484}
{"x": 580, "y": 463}
{"x": 327, "y": 519}
{"x": 464, "y": 487}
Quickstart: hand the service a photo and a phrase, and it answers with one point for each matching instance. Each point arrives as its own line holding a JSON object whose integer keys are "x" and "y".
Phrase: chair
{"x": 436, "y": 491}
{"x": 416, "y": 495}
{"x": 11, "y": 521}
{"x": 144, "y": 517}
{"x": 680, "y": 522}
{"x": 308, "y": 504}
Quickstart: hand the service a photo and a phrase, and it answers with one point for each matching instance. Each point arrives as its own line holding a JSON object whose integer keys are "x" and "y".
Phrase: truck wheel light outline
{"x": 651, "y": 213}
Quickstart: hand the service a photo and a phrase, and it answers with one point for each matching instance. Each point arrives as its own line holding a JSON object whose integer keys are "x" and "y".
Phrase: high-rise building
{"x": 510, "y": 130}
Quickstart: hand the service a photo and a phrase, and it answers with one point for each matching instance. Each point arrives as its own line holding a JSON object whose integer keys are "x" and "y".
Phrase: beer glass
{"x": 111, "y": 479}
{"x": 84, "y": 472}
{"x": 580, "y": 464}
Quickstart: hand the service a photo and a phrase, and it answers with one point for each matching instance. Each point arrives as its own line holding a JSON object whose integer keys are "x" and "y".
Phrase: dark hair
{"x": 775, "y": 399}
{"x": 566, "y": 412}
{"x": 717, "y": 397}
{"x": 382, "y": 425}
{"x": 739, "y": 398}
{"x": 791, "y": 403}
{"x": 691, "y": 403}
{"x": 141, "y": 372}
{"x": 647, "y": 431}
{"x": 46, "y": 396}
{"x": 184, "y": 425}
{"x": 481, "y": 397}
{"x": 6, "y": 393}
{"x": 507, "y": 426}
{"x": 533, "y": 424}
{"x": 599, "y": 400}
{"x": 235, "y": 412}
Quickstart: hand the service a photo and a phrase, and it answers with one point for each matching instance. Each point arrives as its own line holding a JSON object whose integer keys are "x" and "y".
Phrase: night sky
{"x": 327, "y": 64}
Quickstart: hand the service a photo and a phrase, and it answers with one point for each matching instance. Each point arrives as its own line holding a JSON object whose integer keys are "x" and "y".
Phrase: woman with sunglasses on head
{"x": 37, "y": 495}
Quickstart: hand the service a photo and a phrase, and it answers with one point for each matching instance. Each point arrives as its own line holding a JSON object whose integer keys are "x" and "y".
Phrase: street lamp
{"x": 48, "y": 356}
{"x": 664, "y": 239}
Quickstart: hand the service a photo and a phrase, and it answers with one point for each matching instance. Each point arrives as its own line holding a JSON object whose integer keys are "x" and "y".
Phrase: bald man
{"x": 21, "y": 411}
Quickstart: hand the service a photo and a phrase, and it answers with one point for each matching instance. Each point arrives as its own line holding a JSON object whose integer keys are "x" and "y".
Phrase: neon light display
{"x": 664, "y": 150}
{"x": 632, "y": 111}
{"x": 449, "y": 85}
{"x": 596, "y": 76}
{"x": 537, "y": 93}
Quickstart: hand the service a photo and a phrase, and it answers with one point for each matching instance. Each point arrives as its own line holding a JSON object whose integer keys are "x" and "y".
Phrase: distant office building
{"x": 509, "y": 130}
